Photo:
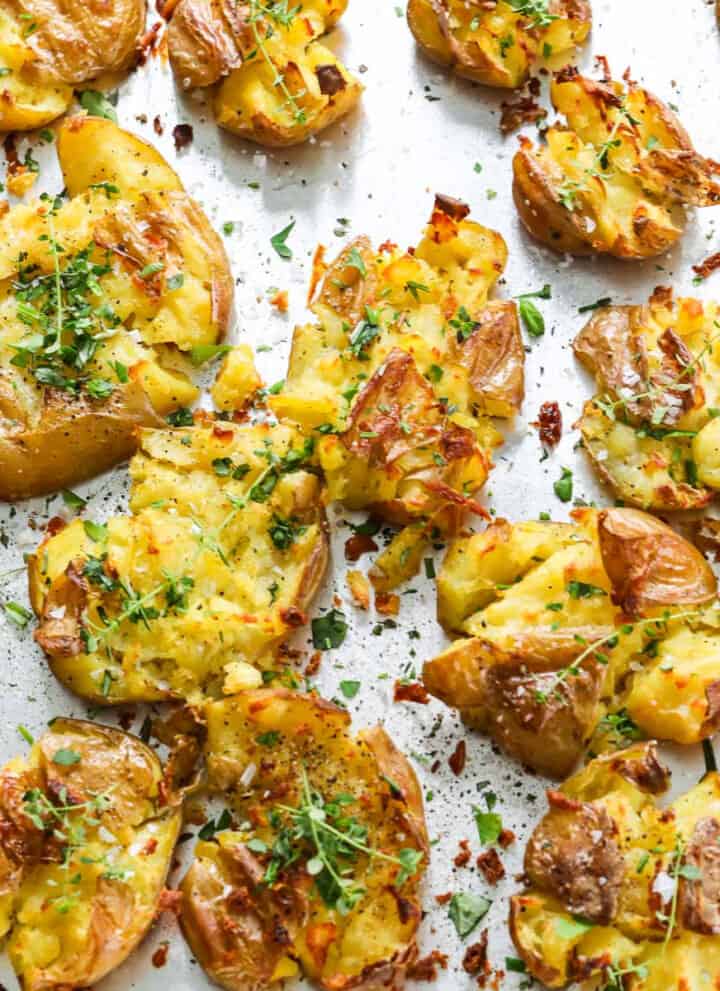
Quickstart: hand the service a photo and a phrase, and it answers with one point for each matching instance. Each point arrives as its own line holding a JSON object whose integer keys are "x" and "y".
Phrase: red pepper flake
{"x": 463, "y": 857}
{"x": 158, "y": 125}
{"x": 170, "y": 901}
{"x": 55, "y": 525}
{"x": 387, "y": 603}
{"x": 426, "y": 969}
{"x": 126, "y": 719}
{"x": 457, "y": 758}
{"x": 549, "y": 424}
{"x": 159, "y": 957}
{"x": 357, "y": 545}
{"x": 443, "y": 899}
{"x": 222, "y": 433}
{"x": 150, "y": 847}
{"x": 148, "y": 43}
{"x": 491, "y": 866}
{"x": 413, "y": 691}
{"x": 707, "y": 267}
{"x": 293, "y": 617}
{"x": 183, "y": 135}
{"x": 506, "y": 838}
{"x": 475, "y": 960}
{"x": 280, "y": 301}
{"x": 313, "y": 665}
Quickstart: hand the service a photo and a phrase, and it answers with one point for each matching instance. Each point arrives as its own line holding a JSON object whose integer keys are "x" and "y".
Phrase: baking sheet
{"x": 417, "y": 132}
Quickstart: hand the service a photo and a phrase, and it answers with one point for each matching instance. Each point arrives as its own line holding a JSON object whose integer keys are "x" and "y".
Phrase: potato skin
{"x": 632, "y": 208}
{"x": 148, "y": 212}
{"x": 496, "y": 689}
{"x": 650, "y": 566}
{"x": 121, "y": 910}
{"x": 35, "y": 460}
{"x": 74, "y": 42}
{"x": 475, "y": 51}
{"x": 250, "y": 943}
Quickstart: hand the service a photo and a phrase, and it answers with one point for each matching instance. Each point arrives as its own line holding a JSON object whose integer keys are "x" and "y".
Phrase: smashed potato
{"x": 651, "y": 432}
{"x": 87, "y": 832}
{"x": 621, "y": 893}
{"x": 186, "y": 597}
{"x": 100, "y": 294}
{"x": 48, "y": 48}
{"x": 275, "y": 83}
{"x": 608, "y": 622}
{"x": 498, "y": 43}
{"x": 616, "y": 178}
{"x": 401, "y": 373}
{"x": 322, "y": 877}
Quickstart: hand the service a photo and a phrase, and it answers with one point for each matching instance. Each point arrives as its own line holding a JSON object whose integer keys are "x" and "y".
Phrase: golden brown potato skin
{"x": 563, "y": 632}
{"x": 615, "y": 178}
{"x": 492, "y": 43}
{"x": 52, "y": 437}
{"x": 77, "y": 40}
{"x": 99, "y": 435}
{"x": 651, "y": 566}
{"x": 274, "y": 931}
{"x": 103, "y": 760}
{"x": 589, "y": 860}
{"x": 74, "y": 42}
{"x": 226, "y": 45}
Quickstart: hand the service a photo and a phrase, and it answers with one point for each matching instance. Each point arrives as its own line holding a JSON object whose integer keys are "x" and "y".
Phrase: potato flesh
{"x": 167, "y": 289}
{"x": 182, "y": 317}
{"x": 517, "y": 577}
{"x": 315, "y": 735}
{"x": 654, "y": 472}
{"x": 506, "y": 49}
{"x": 184, "y": 524}
{"x": 27, "y": 100}
{"x": 237, "y": 381}
{"x": 55, "y": 921}
{"x": 648, "y": 839}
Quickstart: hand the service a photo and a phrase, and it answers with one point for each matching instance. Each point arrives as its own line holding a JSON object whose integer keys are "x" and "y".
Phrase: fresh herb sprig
{"x": 610, "y": 642}
{"x": 66, "y": 317}
{"x": 263, "y": 19}
{"x": 333, "y": 839}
